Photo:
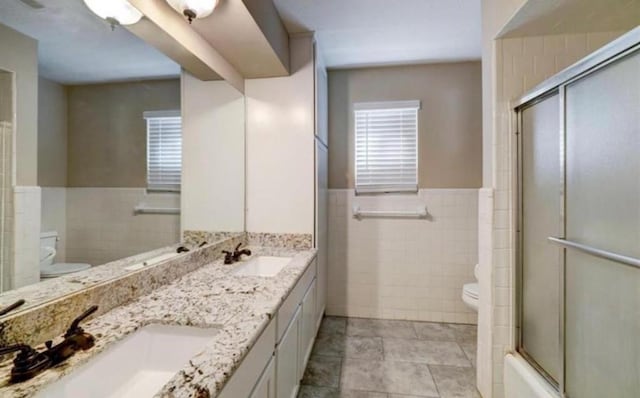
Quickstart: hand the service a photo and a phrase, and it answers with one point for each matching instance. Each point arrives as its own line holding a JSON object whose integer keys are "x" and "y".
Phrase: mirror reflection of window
{"x": 164, "y": 150}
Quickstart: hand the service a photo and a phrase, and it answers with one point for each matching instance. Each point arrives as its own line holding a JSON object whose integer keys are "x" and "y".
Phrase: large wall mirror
{"x": 109, "y": 150}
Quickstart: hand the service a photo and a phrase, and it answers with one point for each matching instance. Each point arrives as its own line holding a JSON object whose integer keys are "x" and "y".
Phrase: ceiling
{"x": 77, "y": 47}
{"x": 383, "y": 32}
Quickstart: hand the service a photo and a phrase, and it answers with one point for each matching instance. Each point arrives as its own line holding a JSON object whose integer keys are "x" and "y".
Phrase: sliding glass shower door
{"x": 602, "y": 307}
{"x": 540, "y": 262}
{"x": 579, "y": 226}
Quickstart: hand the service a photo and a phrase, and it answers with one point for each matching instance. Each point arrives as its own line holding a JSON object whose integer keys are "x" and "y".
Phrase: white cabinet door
{"x": 308, "y": 327}
{"x": 266, "y": 386}
{"x": 287, "y": 373}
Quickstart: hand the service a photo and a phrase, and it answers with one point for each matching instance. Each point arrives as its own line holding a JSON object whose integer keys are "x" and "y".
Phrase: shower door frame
{"x": 6, "y": 244}
{"x": 623, "y": 46}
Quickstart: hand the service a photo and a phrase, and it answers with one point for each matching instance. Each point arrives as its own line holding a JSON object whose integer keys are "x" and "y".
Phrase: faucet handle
{"x": 27, "y": 363}
{"x": 11, "y": 307}
{"x": 75, "y": 325}
{"x": 238, "y": 247}
{"x": 24, "y": 349}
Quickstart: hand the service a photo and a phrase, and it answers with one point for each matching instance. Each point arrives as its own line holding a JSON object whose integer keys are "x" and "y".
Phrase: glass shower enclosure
{"x": 6, "y": 178}
{"x": 579, "y": 225}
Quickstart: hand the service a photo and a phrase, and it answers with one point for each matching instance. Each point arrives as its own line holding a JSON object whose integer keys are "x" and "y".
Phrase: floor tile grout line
{"x": 434, "y": 380}
{"x": 384, "y": 356}
{"x": 465, "y": 355}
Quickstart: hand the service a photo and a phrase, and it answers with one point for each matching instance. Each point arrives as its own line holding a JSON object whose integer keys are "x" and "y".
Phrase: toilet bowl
{"x": 49, "y": 269}
{"x": 470, "y": 292}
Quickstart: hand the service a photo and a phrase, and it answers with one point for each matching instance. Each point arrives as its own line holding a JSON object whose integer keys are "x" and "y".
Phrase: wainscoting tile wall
{"x": 403, "y": 268}
{"x": 26, "y": 249}
{"x": 101, "y": 225}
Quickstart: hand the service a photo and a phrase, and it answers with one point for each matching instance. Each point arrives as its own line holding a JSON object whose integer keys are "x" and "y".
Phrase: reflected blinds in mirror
{"x": 164, "y": 150}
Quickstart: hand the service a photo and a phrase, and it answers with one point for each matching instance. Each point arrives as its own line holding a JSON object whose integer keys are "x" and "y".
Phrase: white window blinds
{"x": 164, "y": 150}
{"x": 386, "y": 135}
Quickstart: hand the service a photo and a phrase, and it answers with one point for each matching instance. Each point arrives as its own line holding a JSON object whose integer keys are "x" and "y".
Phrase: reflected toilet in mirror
{"x": 49, "y": 267}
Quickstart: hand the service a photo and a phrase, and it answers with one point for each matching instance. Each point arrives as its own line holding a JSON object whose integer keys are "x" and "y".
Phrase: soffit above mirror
{"x": 250, "y": 35}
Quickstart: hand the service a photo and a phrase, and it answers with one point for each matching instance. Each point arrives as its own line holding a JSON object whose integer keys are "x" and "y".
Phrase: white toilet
{"x": 49, "y": 269}
{"x": 470, "y": 291}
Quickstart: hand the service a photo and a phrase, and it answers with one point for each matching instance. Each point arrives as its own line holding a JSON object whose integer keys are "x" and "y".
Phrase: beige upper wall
{"x": 6, "y": 97}
{"x": 450, "y": 120}
{"x": 20, "y": 55}
{"x": 107, "y": 133}
{"x": 52, "y": 134}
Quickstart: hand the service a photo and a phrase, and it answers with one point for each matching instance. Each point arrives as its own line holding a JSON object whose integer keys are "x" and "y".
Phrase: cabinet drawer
{"x": 288, "y": 308}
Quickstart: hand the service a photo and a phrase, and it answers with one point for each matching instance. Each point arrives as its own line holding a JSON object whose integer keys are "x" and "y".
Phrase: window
{"x": 386, "y": 135}
{"x": 164, "y": 150}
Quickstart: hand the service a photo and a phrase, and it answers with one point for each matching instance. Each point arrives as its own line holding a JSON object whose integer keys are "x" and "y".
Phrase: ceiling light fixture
{"x": 194, "y": 9}
{"x": 116, "y": 12}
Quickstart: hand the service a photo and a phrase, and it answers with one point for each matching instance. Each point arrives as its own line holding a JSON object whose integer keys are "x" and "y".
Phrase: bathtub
{"x": 522, "y": 381}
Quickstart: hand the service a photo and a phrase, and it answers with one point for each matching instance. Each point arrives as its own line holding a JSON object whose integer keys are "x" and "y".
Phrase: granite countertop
{"x": 51, "y": 289}
{"x": 239, "y": 306}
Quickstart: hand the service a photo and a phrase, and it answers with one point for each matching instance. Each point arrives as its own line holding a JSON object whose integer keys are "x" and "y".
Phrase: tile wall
{"x": 403, "y": 268}
{"x": 485, "y": 225}
{"x": 26, "y": 248}
{"x": 102, "y": 226}
{"x": 54, "y": 217}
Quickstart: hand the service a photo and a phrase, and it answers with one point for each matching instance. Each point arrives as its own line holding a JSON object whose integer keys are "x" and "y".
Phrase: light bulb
{"x": 193, "y": 9}
{"x": 116, "y": 12}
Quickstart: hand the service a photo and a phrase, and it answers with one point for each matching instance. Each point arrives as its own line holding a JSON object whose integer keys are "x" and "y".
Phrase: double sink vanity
{"x": 163, "y": 158}
{"x": 230, "y": 330}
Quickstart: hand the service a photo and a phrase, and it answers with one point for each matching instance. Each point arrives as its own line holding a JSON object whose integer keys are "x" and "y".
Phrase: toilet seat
{"x": 470, "y": 293}
{"x": 471, "y": 290}
{"x": 59, "y": 269}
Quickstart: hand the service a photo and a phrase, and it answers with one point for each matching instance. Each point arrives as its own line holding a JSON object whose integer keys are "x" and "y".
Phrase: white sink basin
{"x": 262, "y": 266}
{"x": 136, "y": 367}
{"x": 151, "y": 261}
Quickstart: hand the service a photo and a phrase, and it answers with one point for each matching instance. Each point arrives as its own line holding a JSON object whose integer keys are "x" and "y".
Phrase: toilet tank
{"x": 48, "y": 239}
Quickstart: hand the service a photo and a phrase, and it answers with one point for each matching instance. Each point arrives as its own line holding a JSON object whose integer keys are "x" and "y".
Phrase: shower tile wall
{"x": 26, "y": 252}
{"x": 100, "y": 225}
{"x": 54, "y": 217}
{"x": 399, "y": 268}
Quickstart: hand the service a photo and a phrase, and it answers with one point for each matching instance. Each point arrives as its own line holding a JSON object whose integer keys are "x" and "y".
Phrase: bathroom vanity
{"x": 174, "y": 321}
{"x": 255, "y": 334}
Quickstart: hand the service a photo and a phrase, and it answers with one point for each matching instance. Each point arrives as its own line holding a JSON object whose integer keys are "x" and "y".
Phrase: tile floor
{"x": 369, "y": 358}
